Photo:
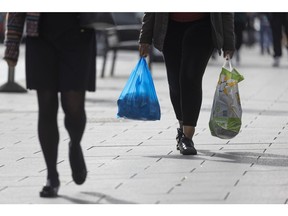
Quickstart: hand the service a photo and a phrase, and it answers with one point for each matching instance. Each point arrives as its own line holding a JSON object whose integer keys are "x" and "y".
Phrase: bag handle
{"x": 229, "y": 62}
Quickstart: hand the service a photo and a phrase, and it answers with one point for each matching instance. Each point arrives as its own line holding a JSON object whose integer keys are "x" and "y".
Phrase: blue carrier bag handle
{"x": 138, "y": 100}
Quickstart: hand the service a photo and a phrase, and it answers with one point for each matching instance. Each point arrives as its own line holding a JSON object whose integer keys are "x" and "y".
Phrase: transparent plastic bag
{"x": 138, "y": 100}
{"x": 225, "y": 120}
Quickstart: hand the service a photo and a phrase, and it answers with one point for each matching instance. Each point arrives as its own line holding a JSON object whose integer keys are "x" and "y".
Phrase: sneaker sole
{"x": 189, "y": 152}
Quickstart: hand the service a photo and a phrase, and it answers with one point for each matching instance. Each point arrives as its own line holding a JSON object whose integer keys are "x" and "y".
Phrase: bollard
{"x": 11, "y": 85}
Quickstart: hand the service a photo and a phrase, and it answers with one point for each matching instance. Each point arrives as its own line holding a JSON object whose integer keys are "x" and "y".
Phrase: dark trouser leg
{"x": 276, "y": 26}
{"x": 187, "y": 50}
{"x": 286, "y": 28}
{"x": 196, "y": 50}
{"x": 172, "y": 56}
{"x": 195, "y": 56}
{"x": 48, "y": 131}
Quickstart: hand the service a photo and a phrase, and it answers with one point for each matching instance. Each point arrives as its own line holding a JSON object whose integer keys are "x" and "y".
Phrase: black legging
{"x": 73, "y": 104}
{"x": 187, "y": 49}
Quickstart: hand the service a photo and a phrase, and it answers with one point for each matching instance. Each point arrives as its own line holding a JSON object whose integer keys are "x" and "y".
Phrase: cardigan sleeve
{"x": 13, "y": 34}
{"x": 146, "y": 33}
{"x": 228, "y": 31}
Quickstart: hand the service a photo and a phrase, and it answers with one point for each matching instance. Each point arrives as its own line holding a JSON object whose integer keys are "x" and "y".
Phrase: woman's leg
{"x": 186, "y": 60}
{"x": 48, "y": 132}
{"x": 197, "y": 47}
{"x": 172, "y": 57}
{"x": 73, "y": 104}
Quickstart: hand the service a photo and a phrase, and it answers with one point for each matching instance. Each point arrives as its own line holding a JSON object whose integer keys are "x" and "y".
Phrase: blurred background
{"x": 252, "y": 30}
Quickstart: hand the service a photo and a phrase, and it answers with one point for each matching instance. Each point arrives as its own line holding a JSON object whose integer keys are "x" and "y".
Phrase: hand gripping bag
{"x": 226, "y": 113}
{"x": 138, "y": 100}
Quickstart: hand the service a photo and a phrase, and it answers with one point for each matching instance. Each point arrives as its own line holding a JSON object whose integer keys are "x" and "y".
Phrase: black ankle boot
{"x": 50, "y": 190}
{"x": 186, "y": 146}
{"x": 77, "y": 163}
{"x": 178, "y": 137}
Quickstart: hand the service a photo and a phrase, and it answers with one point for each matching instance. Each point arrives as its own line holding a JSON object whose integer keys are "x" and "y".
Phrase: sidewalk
{"x": 137, "y": 162}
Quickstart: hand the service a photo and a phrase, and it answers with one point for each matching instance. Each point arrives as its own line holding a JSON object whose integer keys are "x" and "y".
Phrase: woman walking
{"x": 187, "y": 41}
{"x": 60, "y": 59}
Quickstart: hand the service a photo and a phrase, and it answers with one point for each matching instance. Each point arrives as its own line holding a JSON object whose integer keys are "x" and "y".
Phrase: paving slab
{"x": 137, "y": 162}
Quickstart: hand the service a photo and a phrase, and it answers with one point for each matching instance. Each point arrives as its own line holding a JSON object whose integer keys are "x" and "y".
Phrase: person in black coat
{"x": 187, "y": 41}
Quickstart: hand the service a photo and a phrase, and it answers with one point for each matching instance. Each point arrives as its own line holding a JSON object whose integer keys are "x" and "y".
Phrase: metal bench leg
{"x": 113, "y": 62}
{"x": 104, "y": 64}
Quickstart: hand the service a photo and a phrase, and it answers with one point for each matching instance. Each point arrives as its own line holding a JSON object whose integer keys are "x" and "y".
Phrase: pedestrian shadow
{"x": 95, "y": 198}
{"x": 100, "y": 101}
{"x": 178, "y": 157}
{"x": 76, "y": 200}
{"x": 258, "y": 111}
{"x": 264, "y": 159}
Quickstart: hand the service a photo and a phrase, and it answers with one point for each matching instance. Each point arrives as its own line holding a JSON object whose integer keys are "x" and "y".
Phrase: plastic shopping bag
{"x": 226, "y": 113}
{"x": 138, "y": 100}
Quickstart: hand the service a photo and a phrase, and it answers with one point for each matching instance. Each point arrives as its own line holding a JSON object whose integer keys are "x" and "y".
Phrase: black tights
{"x": 73, "y": 104}
{"x": 187, "y": 49}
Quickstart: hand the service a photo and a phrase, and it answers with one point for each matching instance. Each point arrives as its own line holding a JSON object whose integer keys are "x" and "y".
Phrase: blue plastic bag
{"x": 138, "y": 100}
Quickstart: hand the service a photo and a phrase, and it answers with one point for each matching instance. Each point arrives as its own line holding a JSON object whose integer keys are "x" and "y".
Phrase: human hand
{"x": 228, "y": 54}
{"x": 144, "y": 49}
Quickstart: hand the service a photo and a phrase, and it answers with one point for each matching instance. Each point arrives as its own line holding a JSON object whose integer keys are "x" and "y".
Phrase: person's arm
{"x": 13, "y": 36}
{"x": 228, "y": 34}
{"x": 146, "y": 34}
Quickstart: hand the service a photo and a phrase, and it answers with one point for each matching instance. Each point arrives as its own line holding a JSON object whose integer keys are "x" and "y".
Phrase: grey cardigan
{"x": 154, "y": 28}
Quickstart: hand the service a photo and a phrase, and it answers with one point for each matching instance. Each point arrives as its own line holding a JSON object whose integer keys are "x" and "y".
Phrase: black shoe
{"x": 49, "y": 191}
{"x": 77, "y": 163}
{"x": 186, "y": 146}
{"x": 178, "y": 137}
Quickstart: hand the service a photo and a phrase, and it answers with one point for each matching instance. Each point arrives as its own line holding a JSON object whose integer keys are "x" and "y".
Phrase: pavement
{"x": 133, "y": 162}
